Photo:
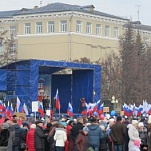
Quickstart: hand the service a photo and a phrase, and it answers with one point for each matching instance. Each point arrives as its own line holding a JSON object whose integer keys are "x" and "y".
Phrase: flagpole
{"x": 59, "y": 113}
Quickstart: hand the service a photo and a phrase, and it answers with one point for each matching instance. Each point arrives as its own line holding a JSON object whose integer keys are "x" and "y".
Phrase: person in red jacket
{"x": 30, "y": 138}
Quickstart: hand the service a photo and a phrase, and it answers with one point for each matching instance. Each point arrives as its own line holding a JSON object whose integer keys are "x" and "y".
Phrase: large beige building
{"x": 60, "y": 31}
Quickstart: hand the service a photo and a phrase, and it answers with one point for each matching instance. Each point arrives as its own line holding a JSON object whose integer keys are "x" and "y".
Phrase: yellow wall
{"x": 68, "y": 45}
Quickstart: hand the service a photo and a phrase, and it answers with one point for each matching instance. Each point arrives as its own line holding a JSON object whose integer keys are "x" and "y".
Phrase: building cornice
{"x": 65, "y": 14}
{"x": 66, "y": 33}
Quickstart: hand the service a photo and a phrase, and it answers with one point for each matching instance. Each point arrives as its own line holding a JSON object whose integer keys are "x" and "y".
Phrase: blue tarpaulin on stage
{"x": 21, "y": 79}
{"x": 3, "y": 80}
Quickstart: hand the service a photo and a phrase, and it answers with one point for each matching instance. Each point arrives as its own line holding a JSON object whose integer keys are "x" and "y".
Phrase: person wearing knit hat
{"x": 133, "y": 134}
{"x": 143, "y": 136}
{"x": 140, "y": 124}
{"x": 82, "y": 140}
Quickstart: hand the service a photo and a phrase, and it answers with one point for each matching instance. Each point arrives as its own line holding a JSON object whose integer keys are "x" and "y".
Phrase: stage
{"x": 24, "y": 79}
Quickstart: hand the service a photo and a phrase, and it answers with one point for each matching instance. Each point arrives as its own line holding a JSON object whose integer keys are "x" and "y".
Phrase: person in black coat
{"x": 74, "y": 132}
{"x": 4, "y": 134}
{"x": 24, "y": 131}
{"x": 46, "y": 131}
{"x": 105, "y": 141}
{"x": 16, "y": 141}
{"x": 39, "y": 137}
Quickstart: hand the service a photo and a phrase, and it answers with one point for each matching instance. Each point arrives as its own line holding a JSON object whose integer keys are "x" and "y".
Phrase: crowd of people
{"x": 75, "y": 134}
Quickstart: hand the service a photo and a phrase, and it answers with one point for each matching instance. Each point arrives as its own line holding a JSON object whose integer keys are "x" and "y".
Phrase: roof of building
{"x": 8, "y": 14}
{"x": 139, "y": 26}
{"x": 57, "y": 7}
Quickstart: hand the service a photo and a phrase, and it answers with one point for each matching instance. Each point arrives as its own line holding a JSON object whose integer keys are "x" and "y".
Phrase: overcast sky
{"x": 123, "y": 8}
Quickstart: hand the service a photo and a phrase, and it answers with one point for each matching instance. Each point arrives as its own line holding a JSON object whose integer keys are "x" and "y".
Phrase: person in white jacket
{"x": 60, "y": 137}
{"x": 136, "y": 146}
{"x": 133, "y": 134}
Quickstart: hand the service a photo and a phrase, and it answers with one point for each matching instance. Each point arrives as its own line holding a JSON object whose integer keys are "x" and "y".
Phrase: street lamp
{"x": 114, "y": 101}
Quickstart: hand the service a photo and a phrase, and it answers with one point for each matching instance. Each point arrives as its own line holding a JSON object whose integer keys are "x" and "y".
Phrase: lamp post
{"x": 114, "y": 101}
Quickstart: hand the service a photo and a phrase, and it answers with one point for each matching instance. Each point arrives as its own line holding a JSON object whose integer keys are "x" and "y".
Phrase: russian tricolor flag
{"x": 41, "y": 110}
{"x": 58, "y": 106}
{"x": 2, "y": 108}
{"x": 70, "y": 110}
{"x": 100, "y": 108}
{"x": 19, "y": 106}
{"x": 25, "y": 109}
{"x": 9, "y": 110}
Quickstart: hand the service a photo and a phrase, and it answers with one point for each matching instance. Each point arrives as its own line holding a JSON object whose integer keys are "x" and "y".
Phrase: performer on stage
{"x": 82, "y": 104}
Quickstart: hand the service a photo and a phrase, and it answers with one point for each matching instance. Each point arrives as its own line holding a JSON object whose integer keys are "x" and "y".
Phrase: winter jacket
{"x": 82, "y": 142}
{"x": 149, "y": 137}
{"x": 143, "y": 136}
{"x": 75, "y": 130}
{"x": 47, "y": 145}
{"x": 39, "y": 138}
{"x": 68, "y": 128}
{"x": 104, "y": 142}
{"x": 135, "y": 148}
{"x": 17, "y": 140}
{"x": 94, "y": 135}
{"x": 11, "y": 138}
{"x": 23, "y": 135}
{"x": 118, "y": 133}
{"x": 30, "y": 140}
{"x": 133, "y": 135}
{"x": 4, "y": 136}
{"x": 60, "y": 137}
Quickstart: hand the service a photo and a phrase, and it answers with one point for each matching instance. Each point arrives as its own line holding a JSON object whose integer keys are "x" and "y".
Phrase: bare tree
{"x": 8, "y": 55}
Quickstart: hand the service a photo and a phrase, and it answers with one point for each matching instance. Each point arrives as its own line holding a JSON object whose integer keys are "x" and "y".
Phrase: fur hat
{"x": 140, "y": 124}
{"x": 134, "y": 122}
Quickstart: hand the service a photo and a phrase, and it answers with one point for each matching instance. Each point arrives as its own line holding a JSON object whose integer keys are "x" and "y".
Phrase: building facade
{"x": 60, "y": 31}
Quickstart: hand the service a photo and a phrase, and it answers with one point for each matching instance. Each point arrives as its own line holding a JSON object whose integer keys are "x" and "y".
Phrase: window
{"x": 88, "y": 28}
{"x": 146, "y": 40}
{"x": 38, "y": 27}
{"x": 51, "y": 27}
{"x": 79, "y": 26}
{"x": 12, "y": 31}
{"x": 116, "y": 32}
{"x": 1, "y": 29}
{"x": 63, "y": 25}
{"x": 1, "y": 48}
{"x": 107, "y": 31}
{"x": 27, "y": 28}
{"x": 12, "y": 49}
{"x": 98, "y": 29}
